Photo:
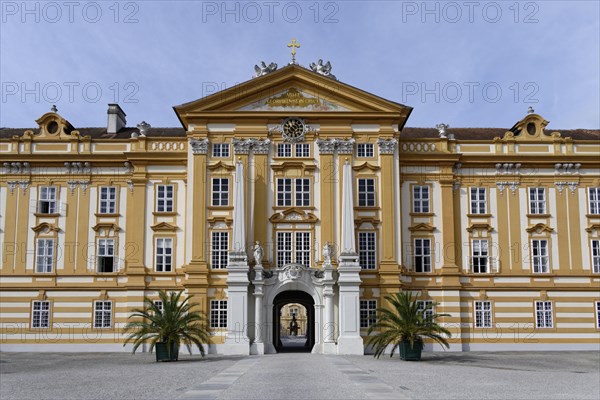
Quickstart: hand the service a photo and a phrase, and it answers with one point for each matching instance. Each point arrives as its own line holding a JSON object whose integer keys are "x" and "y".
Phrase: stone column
{"x": 329, "y": 330}
{"x": 349, "y": 340}
{"x": 237, "y": 341}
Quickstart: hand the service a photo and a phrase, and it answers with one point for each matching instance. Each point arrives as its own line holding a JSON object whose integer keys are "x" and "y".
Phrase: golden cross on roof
{"x": 293, "y": 44}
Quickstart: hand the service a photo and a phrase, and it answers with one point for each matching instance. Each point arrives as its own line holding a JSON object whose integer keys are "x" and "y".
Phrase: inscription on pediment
{"x": 293, "y": 100}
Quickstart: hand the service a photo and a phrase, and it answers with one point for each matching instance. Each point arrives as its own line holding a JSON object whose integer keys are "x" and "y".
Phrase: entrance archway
{"x": 298, "y": 297}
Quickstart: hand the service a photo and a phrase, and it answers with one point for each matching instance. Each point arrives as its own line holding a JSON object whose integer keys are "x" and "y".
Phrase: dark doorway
{"x": 284, "y": 338}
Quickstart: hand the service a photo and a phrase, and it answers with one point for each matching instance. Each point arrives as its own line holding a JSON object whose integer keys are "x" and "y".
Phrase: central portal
{"x": 294, "y": 322}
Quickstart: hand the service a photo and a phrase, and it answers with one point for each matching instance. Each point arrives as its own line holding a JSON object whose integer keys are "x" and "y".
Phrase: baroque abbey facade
{"x": 295, "y": 188}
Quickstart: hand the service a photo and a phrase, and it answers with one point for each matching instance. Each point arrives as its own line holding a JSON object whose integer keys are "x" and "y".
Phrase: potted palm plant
{"x": 167, "y": 326}
{"x": 404, "y": 326}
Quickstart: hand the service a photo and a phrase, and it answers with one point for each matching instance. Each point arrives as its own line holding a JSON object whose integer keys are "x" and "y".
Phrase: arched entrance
{"x": 297, "y": 297}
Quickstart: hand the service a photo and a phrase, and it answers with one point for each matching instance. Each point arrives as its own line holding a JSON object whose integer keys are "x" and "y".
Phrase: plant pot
{"x": 409, "y": 353}
{"x": 162, "y": 353}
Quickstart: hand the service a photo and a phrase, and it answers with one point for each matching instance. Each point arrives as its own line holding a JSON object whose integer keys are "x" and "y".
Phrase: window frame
{"x": 160, "y": 259}
{"x": 51, "y": 200}
{"x": 164, "y": 198}
{"x": 595, "y": 256}
{"x": 286, "y": 152}
{"x": 597, "y": 312}
{"x": 365, "y": 153}
{"x": 365, "y": 196}
{"x": 287, "y": 194}
{"x": 111, "y": 204}
{"x": 425, "y": 256}
{"x": 218, "y": 314}
{"x": 222, "y": 192}
{"x": 103, "y": 316}
{"x": 421, "y": 304}
{"x": 40, "y": 312}
{"x": 220, "y": 152}
{"x": 369, "y": 254}
{"x": 424, "y": 204}
{"x": 292, "y": 254}
{"x": 367, "y": 312}
{"x": 540, "y": 257}
{"x": 47, "y": 256}
{"x": 537, "y": 204}
{"x": 482, "y": 314}
{"x": 99, "y": 245}
{"x": 475, "y": 204}
{"x": 221, "y": 254}
{"x": 595, "y": 202}
{"x": 299, "y": 150}
{"x": 547, "y": 315}
{"x": 480, "y": 255}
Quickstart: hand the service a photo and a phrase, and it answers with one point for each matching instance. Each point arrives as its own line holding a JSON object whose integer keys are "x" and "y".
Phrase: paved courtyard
{"x": 549, "y": 375}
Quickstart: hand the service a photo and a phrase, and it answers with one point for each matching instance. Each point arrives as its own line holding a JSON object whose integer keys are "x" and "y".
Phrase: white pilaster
{"x": 349, "y": 341}
{"x": 237, "y": 341}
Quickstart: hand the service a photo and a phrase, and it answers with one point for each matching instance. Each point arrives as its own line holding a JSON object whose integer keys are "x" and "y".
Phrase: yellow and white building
{"x": 500, "y": 227}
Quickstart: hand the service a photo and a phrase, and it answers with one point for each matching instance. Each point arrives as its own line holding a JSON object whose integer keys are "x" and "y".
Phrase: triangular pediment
{"x": 292, "y": 89}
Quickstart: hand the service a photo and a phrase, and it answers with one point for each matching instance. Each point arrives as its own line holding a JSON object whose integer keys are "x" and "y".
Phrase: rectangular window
{"x": 594, "y": 198}
{"x": 220, "y": 191}
{"x": 293, "y": 248}
{"x": 40, "y": 314}
{"x": 421, "y": 199}
{"x": 596, "y": 256}
{"x": 368, "y": 313}
{"x": 284, "y": 192}
{"x": 47, "y": 201}
{"x": 164, "y": 198}
{"x": 478, "y": 201}
{"x": 367, "y": 250}
{"x": 537, "y": 200}
{"x": 543, "y": 314}
{"x": 108, "y": 200}
{"x": 284, "y": 248}
{"x": 422, "y": 305}
{"x": 284, "y": 150}
{"x": 218, "y": 313}
{"x": 106, "y": 255}
{"x": 219, "y": 249}
{"x": 302, "y": 192}
{"x": 159, "y": 304}
{"x": 302, "y": 150}
{"x": 102, "y": 314}
{"x": 44, "y": 255}
{"x": 164, "y": 254}
{"x": 366, "y": 192}
{"x": 539, "y": 255}
{"x": 365, "y": 150}
{"x": 479, "y": 256}
{"x": 422, "y": 255}
{"x": 483, "y": 314}
{"x": 220, "y": 150}
{"x": 303, "y": 248}
{"x": 598, "y": 314}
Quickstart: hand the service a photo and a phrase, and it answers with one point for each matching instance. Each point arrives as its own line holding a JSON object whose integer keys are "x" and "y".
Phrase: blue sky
{"x": 479, "y": 64}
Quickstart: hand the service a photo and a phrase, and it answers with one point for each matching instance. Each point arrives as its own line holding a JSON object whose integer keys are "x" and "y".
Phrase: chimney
{"x": 116, "y": 118}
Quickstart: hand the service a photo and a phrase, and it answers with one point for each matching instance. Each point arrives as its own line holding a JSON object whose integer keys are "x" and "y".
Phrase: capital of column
{"x": 199, "y": 146}
{"x": 387, "y": 146}
{"x": 329, "y": 146}
{"x": 258, "y": 146}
